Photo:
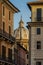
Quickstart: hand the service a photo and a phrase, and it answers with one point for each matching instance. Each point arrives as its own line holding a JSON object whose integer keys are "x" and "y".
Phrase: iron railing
{"x": 6, "y": 36}
{"x": 38, "y": 19}
{"x": 7, "y": 60}
{"x": 16, "y": 61}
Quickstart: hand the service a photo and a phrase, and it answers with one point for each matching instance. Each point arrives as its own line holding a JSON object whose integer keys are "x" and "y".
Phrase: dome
{"x": 21, "y": 31}
{"x": 22, "y": 34}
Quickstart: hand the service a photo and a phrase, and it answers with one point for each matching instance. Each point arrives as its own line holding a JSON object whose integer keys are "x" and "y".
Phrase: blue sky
{"x": 24, "y": 12}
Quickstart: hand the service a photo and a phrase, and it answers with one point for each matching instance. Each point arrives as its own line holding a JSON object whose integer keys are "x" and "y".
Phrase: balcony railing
{"x": 6, "y": 60}
{"x": 17, "y": 61}
{"x": 6, "y": 36}
{"x": 39, "y": 19}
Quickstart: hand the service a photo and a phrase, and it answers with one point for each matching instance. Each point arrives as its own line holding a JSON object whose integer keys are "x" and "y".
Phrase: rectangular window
{"x": 3, "y": 26}
{"x": 27, "y": 64}
{"x": 10, "y": 54}
{"x": 3, "y": 52}
{"x": 3, "y": 10}
{"x": 38, "y": 44}
{"x": 27, "y": 57}
{"x": 9, "y": 30}
{"x": 9, "y": 15}
{"x": 38, "y": 31}
{"x": 39, "y": 11}
{"x": 38, "y": 63}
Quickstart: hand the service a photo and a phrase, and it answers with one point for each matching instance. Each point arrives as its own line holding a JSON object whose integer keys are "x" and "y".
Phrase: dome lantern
{"x": 21, "y": 23}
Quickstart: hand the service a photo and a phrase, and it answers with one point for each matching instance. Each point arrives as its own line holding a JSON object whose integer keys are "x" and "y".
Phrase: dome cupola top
{"x": 21, "y": 23}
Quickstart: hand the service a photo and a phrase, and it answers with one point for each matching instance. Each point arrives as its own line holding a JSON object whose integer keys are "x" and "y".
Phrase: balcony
{"x": 4, "y": 35}
{"x": 38, "y": 19}
{"x": 6, "y": 60}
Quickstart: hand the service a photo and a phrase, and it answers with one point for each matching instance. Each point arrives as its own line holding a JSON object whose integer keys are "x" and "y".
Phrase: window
{"x": 9, "y": 30}
{"x": 3, "y": 51}
{"x": 38, "y": 63}
{"x": 39, "y": 11}
{"x": 38, "y": 44}
{"x": 27, "y": 57}
{"x": 3, "y": 26}
{"x": 27, "y": 64}
{"x": 38, "y": 31}
{"x": 5, "y": 63}
{"x": 3, "y": 10}
{"x": 15, "y": 50}
{"x": 9, "y": 15}
{"x": 9, "y": 53}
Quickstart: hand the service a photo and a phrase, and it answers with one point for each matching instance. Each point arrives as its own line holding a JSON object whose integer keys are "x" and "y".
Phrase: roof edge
{"x": 34, "y": 3}
{"x": 12, "y": 6}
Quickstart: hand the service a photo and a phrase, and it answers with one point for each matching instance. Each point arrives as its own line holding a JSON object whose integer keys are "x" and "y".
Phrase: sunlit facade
{"x": 7, "y": 10}
{"x": 36, "y": 33}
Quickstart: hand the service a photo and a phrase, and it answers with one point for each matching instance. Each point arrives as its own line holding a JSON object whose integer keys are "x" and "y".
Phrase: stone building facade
{"x": 36, "y": 33}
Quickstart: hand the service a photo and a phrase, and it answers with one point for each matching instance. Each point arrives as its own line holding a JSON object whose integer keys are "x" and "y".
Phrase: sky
{"x": 24, "y": 12}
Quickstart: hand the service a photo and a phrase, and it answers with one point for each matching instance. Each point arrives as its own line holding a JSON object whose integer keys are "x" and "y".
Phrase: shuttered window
{"x": 39, "y": 16}
{"x": 3, "y": 52}
{"x": 9, "y": 53}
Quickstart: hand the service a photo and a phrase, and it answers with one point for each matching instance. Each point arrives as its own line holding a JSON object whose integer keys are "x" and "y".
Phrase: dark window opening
{"x": 3, "y": 26}
{"x": 39, "y": 11}
{"x": 3, "y": 52}
{"x": 9, "y": 15}
{"x": 9, "y": 30}
{"x": 38, "y": 63}
{"x": 3, "y": 10}
{"x": 27, "y": 57}
{"x": 38, "y": 44}
{"x": 27, "y": 64}
{"x": 38, "y": 31}
{"x": 6, "y": 64}
{"x": 10, "y": 54}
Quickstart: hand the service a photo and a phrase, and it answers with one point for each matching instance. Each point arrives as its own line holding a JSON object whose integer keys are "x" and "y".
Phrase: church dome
{"x": 21, "y": 33}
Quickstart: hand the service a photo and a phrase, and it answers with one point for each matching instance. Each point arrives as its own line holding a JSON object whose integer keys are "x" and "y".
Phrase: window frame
{"x": 9, "y": 53}
{"x": 9, "y": 30}
{"x": 3, "y": 10}
{"x": 39, "y": 14}
{"x": 38, "y": 31}
{"x": 3, "y": 26}
{"x": 3, "y": 51}
{"x": 27, "y": 56}
{"x": 9, "y": 15}
{"x": 38, "y": 62}
{"x": 38, "y": 44}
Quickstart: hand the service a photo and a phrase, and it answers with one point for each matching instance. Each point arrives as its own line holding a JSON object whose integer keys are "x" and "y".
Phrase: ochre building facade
{"x": 7, "y": 10}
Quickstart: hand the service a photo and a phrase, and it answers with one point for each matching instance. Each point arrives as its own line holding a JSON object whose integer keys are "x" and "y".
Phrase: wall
{"x": 34, "y": 12}
{"x": 35, "y": 53}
